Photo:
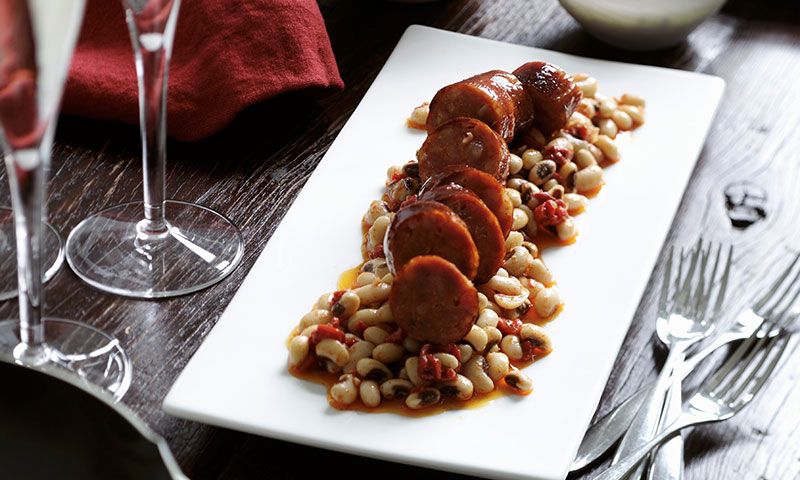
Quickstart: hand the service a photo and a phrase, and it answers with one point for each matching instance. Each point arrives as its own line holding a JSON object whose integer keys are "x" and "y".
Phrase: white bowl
{"x": 641, "y": 24}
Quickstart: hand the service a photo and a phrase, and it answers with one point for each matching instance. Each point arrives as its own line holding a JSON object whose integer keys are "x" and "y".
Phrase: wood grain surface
{"x": 253, "y": 170}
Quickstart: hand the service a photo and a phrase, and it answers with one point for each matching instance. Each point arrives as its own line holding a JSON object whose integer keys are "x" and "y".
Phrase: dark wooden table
{"x": 254, "y": 169}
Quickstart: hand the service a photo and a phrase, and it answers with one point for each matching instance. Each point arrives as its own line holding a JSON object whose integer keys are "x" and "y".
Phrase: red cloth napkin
{"x": 228, "y": 54}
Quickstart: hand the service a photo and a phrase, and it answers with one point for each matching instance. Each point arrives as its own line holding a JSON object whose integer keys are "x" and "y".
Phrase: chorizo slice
{"x": 430, "y": 228}
{"x": 481, "y": 222}
{"x": 432, "y": 301}
{"x": 492, "y": 192}
{"x": 496, "y": 98}
{"x": 555, "y": 96}
{"x": 464, "y": 142}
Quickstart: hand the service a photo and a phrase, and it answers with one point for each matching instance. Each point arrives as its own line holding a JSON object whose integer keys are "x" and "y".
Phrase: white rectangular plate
{"x": 238, "y": 378}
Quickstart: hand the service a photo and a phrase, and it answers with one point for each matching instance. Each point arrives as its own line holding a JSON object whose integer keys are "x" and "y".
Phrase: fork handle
{"x": 645, "y": 424}
{"x": 667, "y": 460}
{"x": 629, "y": 462}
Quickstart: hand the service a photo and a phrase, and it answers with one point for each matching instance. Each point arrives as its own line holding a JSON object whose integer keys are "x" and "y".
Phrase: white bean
{"x": 520, "y": 382}
{"x": 375, "y": 335}
{"x": 460, "y": 388}
{"x": 540, "y": 273}
{"x": 631, "y": 99}
{"x": 412, "y": 370}
{"x": 608, "y": 147}
{"x": 423, "y": 398}
{"x": 511, "y": 302}
{"x": 373, "y": 293}
{"x": 622, "y": 119}
{"x": 370, "y": 393}
{"x": 520, "y": 219}
{"x": 588, "y": 86}
{"x": 607, "y": 107}
{"x": 477, "y": 338}
{"x": 333, "y": 350}
{"x": 475, "y": 371}
{"x": 388, "y": 353}
{"x": 504, "y": 284}
{"x": 589, "y": 178}
{"x": 360, "y": 349}
{"x": 498, "y": 365}
{"x": 447, "y": 360}
{"x": 514, "y": 239}
{"x": 530, "y": 158}
{"x": 511, "y": 346}
{"x": 377, "y": 231}
{"x": 346, "y": 306}
{"x": 298, "y": 350}
{"x": 365, "y": 278}
{"x": 369, "y": 316}
{"x": 371, "y": 369}
{"x": 566, "y": 230}
{"x": 315, "y": 317}
{"x": 542, "y": 172}
{"x": 419, "y": 116}
{"x": 514, "y": 164}
{"x": 584, "y": 158}
{"x": 634, "y": 112}
{"x": 608, "y": 127}
{"x": 345, "y": 391}
{"x": 575, "y": 202}
{"x": 538, "y": 337}
{"x": 546, "y": 302}
{"x": 396, "y": 388}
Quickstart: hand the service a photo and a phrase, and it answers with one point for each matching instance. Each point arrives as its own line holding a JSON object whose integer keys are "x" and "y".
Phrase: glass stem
{"x": 152, "y": 46}
{"x": 26, "y": 174}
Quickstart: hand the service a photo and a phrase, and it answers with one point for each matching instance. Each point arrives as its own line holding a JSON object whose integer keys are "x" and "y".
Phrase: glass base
{"x": 52, "y": 254}
{"x": 109, "y": 251}
{"x": 75, "y": 347}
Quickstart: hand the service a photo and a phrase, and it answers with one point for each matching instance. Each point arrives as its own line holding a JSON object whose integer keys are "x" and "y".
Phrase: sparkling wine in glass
{"x": 37, "y": 38}
{"x": 154, "y": 248}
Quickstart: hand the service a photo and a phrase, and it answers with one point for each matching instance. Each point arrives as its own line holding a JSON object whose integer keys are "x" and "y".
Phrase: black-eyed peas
{"x": 588, "y": 179}
{"x": 298, "y": 350}
{"x": 631, "y": 99}
{"x": 395, "y": 388}
{"x": 377, "y": 267}
{"x": 531, "y": 248}
{"x": 546, "y": 302}
{"x": 566, "y": 230}
{"x": 608, "y": 147}
{"x": 466, "y": 352}
{"x": 518, "y": 381}
{"x": 365, "y": 278}
{"x": 357, "y": 351}
{"x": 388, "y": 353}
{"x": 412, "y": 345}
{"x": 518, "y": 261}
{"x": 475, "y": 371}
{"x": 608, "y": 127}
{"x": 373, "y": 293}
{"x": 542, "y": 172}
{"x": 333, "y": 351}
{"x": 550, "y": 184}
{"x": 527, "y": 190}
{"x": 557, "y": 191}
{"x": 538, "y": 337}
{"x": 520, "y": 219}
{"x": 345, "y": 391}
{"x": 587, "y": 107}
{"x": 412, "y": 370}
{"x": 607, "y": 107}
{"x": 460, "y": 388}
{"x": 622, "y": 119}
{"x": 371, "y": 369}
{"x": 493, "y": 335}
{"x": 315, "y": 317}
{"x": 531, "y": 157}
{"x": 376, "y": 209}
{"x": 370, "y": 393}
{"x": 514, "y": 196}
{"x": 346, "y": 306}
{"x": 376, "y": 335}
{"x": 487, "y": 318}
{"x": 497, "y": 365}
{"x": 324, "y": 302}
{"x": 377, "y": 231}
{"x": 385, "y": 314}
{"x": 575, "y": 202}
{"x": 483, "y": 302}
{"x": 515, "y": 183}
{"x": 388, "y": 279}
{"x": 539, "y": 272}
{"x": 309, "y": 330}
{"x": 477, "y": 338}
{"x": 511, "y": 346}
{"x": 514, "y": 164}
{"x": 511, "y": 302}
{"x": 447, "y": 360}
{"x": 419, "y": 116}
{"x": 588, "y": 86}
{"x": 636, "y": 114}
{"x": 367, "y": 316}
{"x": 584, "y": 158}
{"x": 423, "y": 398}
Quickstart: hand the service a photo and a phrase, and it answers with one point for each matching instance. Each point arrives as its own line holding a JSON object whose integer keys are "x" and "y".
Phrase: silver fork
{"x": 607, "y": 431}
{"x": 723, "y": 394}
{"x": 682, "y": 322}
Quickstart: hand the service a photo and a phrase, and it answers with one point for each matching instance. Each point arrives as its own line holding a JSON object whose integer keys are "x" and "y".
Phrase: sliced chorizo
{"x": 432, "y": 301}
{"x": 496, "y": 98}
{"x": 555, "y": 96}
{"x": 486, "y": 187}
{"x": 464, "y": 142}
{"x": 430, "y": 228}
{"x": 481, "y": 222}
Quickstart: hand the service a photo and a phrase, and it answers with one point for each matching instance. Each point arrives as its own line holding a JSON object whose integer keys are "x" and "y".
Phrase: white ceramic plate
{"x": 238, "y": 378}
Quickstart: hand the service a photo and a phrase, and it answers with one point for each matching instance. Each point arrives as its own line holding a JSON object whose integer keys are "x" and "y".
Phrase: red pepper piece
{"x": 550, "y": 211}
{"x": 396, "y": 337}
{"x": 376, "y": 252}
{"x": 325, "y": 331}
{"x": 508, "y": 326}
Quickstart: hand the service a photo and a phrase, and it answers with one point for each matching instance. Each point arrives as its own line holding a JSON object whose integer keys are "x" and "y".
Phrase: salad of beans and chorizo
{"x": 452, "y": 298}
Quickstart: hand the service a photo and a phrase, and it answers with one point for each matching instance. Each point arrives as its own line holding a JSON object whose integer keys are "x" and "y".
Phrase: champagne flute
{"x": 52, "y": 253}
{"x": 37, "y": 38}
{"x": 155, "y": 248}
